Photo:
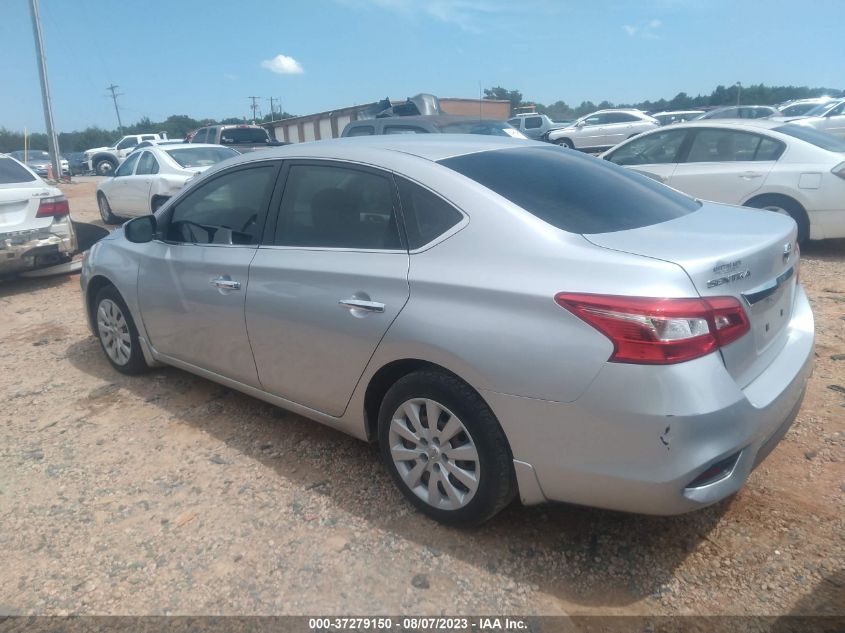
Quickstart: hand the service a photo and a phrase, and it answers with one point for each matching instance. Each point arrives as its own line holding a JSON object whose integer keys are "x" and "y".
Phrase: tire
{"x": 104, "y": 167}
{"x": 565, "y": 142}
{"x": 786, "y": 206}
{"x": 117, "y": 333}
{"x": 485, "y": 481}
{"x": 105, "y": 210}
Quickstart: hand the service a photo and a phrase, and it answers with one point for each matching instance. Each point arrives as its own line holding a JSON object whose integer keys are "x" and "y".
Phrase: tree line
{"x": 178, "y": 125}
{"x": 175, "y": 126}
{"x": 755, "y": 94}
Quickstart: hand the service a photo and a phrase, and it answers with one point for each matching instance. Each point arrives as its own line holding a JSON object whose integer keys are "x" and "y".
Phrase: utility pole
{"x": 114, "y": 96}
{"x": 254, "y": 106}
{"x": 738, "y": 91}
{"x": 272, "y": 111}
{"x": 52, "y": 138}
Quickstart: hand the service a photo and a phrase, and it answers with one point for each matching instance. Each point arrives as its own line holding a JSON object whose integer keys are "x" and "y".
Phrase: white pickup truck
{"x": 104, "y": 160}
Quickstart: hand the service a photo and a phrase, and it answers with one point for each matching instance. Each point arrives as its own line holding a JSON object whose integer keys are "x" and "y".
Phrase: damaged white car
{"x": 35, "y": 226}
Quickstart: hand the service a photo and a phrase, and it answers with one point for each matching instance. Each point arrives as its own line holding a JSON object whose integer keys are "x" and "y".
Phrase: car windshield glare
{"x": 813, "y": 136}
{"x": 200, "y": 156}
{"x": 572, "y": 191}
{"x": 12, "y": 172}
{"x": 820, "y": 109}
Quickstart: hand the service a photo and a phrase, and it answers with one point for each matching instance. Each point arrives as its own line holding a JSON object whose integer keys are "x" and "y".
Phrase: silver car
{"x": 504, "y": 317}
{"x": 602, "y": 130}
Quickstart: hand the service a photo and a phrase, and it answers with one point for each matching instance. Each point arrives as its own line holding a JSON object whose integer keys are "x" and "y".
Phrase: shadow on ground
{"x": 612, "y": 559}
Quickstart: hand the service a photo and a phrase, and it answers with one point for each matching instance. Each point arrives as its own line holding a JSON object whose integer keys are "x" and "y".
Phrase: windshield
{"x": 235, "y": 135}
{"x": 573, "y": 191}
{"x": 11, "y": 172}
{"x": 200, "y": 156}
{"x": 815, "y": 137}
{"x": 488, "y": 128}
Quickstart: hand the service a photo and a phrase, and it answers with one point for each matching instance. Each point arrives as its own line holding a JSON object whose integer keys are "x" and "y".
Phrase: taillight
{"x": 55, "y": 207}
{"x": 654, "y": 331}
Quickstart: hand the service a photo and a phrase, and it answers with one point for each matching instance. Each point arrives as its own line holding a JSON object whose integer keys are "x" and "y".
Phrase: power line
{"x": 114, "y": 96}
{"x": 254, "y": 106}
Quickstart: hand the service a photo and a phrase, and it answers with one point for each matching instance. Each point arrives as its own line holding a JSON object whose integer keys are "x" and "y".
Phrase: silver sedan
{"x": 505, "y": 318}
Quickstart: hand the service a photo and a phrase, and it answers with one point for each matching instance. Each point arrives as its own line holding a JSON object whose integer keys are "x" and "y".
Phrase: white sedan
{"x": 772, "y": 165}
{"x": 35, "y": 225}
{"x": 146, "y": 179}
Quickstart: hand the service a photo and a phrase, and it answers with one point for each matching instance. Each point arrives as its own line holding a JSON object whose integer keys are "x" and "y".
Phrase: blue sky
{"x": 205, "y": 57}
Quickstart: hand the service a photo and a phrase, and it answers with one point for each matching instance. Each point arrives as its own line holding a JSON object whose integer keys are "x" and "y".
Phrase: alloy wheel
{"x": 434, "y": 454}
{"x": 114, "y": 332}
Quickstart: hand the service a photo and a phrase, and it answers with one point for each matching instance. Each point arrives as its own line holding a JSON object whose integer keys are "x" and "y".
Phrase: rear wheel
{"x": 117, "y": 332}
{"x": 784, "y": 206}
{"x": 445, "y": 449}
{"x": 565, "y": 142}
{"x": 105, "y": 210}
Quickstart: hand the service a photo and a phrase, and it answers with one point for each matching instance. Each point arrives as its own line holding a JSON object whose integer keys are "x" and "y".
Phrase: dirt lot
{"x": 170, "y": 494}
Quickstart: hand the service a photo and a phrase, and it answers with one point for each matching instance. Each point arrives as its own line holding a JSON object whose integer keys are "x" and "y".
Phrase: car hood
{"x": 99, "y": 149}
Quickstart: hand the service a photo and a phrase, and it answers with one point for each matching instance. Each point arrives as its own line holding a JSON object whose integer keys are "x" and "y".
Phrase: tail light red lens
{"x": 55, "y": 207}
{"x": 654, "y": 331}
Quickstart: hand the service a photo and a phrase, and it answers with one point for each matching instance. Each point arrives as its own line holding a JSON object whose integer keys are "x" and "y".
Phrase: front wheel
{"x": 565, "y": 142}
{"x": 117, "y": 332}
{"x": 105, "y": 167}
{"x": 445, "y": 449}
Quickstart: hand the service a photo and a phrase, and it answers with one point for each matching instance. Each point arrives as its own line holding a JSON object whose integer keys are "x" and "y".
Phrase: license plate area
{"x": 770, "y": 308}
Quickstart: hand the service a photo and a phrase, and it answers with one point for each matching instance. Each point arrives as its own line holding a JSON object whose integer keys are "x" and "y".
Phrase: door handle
{"x": 748, "y": 175}
{"x": 359, "y": 304}
{"x": 226, "y": 284}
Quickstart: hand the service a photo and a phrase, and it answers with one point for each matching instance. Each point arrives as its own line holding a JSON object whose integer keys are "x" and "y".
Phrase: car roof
{"x": 170, "y": 146}
{"x": 676, "y": 112}
{"x": 379, "y": 148}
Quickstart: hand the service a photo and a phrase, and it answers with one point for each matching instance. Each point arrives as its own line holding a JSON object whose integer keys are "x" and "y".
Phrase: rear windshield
{"x": 814, "y": 136}
{"x": 11, "y": 172}
{"x": 200, "y": 156}
{"x": 243, "y": 135}
{"x": 573, "y": 191}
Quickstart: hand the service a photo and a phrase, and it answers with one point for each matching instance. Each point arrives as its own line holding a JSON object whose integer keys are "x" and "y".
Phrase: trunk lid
{"x": 729, "y": 251}
{"x": 19, "y": 204}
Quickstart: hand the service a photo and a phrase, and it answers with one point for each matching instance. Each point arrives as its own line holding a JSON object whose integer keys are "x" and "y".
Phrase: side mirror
{"x": 140, "y": 230}
{"x": 580, "y": 124}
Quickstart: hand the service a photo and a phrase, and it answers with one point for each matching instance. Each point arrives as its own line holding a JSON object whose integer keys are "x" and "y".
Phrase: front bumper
{"x": 36, "y": 248}
{"x": 640, "y": 435}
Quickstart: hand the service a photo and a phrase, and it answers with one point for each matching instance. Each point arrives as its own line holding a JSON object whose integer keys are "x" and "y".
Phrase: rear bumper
{"x": 27, "y": 250}
{"x": 640, "y": 435}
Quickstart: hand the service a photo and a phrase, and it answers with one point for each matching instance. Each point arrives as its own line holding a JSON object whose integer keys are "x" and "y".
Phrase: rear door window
{"x": 533, "y": 122}
{"x": 147, "y": 165}
{"x": 200, "y": 136}
{"x": 572, "y": 191}
{"x": 237, "y": 135}
{"x": 723, "y": 146}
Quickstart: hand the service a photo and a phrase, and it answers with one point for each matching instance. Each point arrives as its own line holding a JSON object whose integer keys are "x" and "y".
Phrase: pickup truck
{"x": 104, "y": 160}
{"x": 534, "y": 125}
{"x": 243, "y": 138}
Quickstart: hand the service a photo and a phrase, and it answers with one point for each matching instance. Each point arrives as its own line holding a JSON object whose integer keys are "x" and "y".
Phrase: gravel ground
{"x": 167, "y": 493}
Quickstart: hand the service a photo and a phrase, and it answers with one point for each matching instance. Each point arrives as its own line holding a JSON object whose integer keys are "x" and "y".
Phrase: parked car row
{"x": 39, "y": 161}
